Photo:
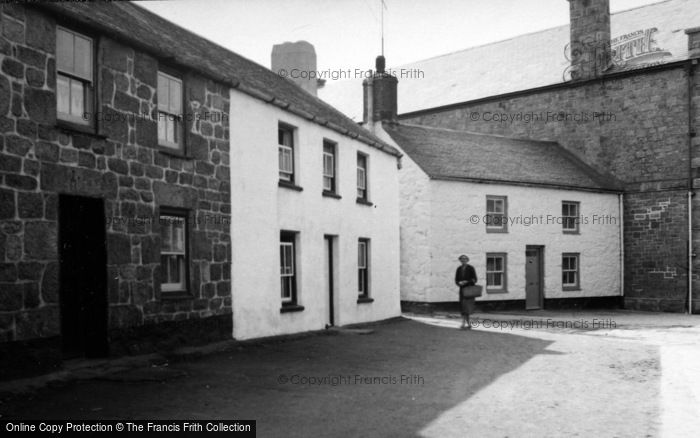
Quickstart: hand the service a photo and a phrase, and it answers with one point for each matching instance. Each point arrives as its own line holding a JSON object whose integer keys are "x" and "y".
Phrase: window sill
{"x": 496, "y": 291}
{"x": 173, "y": 152}
{"x": 71, "y": 128}
{"x": 329, "y": 194}
{"x": 175, "y": 295}
{"x": 497, "y": 230}
{"x": 287, "y": 308}
{"x": 362, "y": 201}
{"x": 289, "y": 185}
{"x": 571, "y": 288}
{"x": 361, "y": 300}
{"x": 571, "y": 232}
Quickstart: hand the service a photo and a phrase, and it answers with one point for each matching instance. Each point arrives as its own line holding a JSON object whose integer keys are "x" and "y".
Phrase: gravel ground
{"x": 420, "y": 377}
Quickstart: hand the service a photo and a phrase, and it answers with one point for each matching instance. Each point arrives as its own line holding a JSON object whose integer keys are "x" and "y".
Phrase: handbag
{"x": 470, "y": 291}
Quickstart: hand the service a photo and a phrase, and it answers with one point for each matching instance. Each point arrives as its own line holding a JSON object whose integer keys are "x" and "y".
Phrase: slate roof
{"x": 521, "y": 63}
{"x": 459, "y": 155}
{"x": 147, "y": 31}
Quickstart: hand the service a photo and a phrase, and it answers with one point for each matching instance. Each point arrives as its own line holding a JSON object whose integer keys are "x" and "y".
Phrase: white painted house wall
{"x": 415, "y": 207}
{"x": 436, "y": 229}
{"x": 454, "y": 203}
{"x": 261, "y": 209}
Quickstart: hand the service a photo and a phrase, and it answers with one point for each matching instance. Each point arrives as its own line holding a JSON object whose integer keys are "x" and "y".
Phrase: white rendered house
{"x": 315, "y": 215}
{"x": 541, "y": 227}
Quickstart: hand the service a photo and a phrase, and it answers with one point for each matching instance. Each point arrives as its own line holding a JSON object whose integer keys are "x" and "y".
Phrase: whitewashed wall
{"x": 436, "y": 229}
{"x": 415, "y": 231}
{"x": 260, "y": 209}
{"x": 454, "y": 203}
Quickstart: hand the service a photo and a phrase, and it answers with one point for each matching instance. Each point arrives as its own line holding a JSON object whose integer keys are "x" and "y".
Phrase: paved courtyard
{"x": 421, "y": 377}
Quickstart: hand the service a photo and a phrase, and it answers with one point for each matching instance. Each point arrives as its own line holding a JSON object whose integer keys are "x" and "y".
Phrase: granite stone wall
{"x": 118, "y": 160}
{"x": 656, "y": 241}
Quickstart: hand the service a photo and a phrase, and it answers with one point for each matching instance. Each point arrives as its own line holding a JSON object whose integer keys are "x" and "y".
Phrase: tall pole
{"x": 382, "y": 8}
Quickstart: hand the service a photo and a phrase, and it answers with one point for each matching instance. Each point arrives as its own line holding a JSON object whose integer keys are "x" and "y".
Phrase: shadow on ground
{"x": 314, "y": 386}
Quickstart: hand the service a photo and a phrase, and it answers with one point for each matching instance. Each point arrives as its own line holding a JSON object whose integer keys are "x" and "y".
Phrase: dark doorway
{"x": 83, "y": 276}
{"x": 533, "y": 277}
{"x": 329, "y": 275}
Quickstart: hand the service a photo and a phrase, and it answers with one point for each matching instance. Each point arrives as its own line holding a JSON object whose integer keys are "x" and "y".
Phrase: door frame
{"x": 540, "y": 255}
{"x": 99, "y": 347}
{"x": 329, "y": 241}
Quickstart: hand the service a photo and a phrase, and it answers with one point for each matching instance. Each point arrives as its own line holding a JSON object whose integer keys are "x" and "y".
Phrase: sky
{"x": 347, "y": 33}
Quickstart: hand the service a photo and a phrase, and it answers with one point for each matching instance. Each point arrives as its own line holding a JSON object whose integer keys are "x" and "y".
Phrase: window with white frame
{"x": 570, "y": 277}
{"x": 496, "y": 272}
{"x": 173, "y": 251}
{"x": 570, "y": 216}
{"x": 329, "y": 166}
{"x": 288, "y": 267}
{"x": 170, "y": 126}
{"x": 363, "y": 267}
{"x": 74, "y": 76}
{"x": 362, "y": 177}
{"x": 285, "y": 139}
{"x": 496, "y": 214}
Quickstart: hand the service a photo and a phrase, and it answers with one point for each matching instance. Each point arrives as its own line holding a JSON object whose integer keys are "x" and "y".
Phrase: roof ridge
{"x": 524, "y": 34}
{"x": 231, "y": 51}
{"x": 481, "y": 134}
{"x": 188, "y": 30}
{"x": 270, "y": 88}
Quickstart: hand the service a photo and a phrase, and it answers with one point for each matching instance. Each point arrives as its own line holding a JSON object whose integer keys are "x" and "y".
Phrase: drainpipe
{"x": 691, "y": 134}
{"x": 620, "y": 215}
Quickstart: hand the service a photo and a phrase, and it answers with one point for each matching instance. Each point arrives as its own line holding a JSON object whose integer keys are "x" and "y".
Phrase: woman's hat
{"x": 463, "y": 257}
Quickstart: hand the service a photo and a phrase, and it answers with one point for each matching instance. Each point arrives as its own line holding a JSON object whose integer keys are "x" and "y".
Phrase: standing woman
{"x": 465, "y": 276}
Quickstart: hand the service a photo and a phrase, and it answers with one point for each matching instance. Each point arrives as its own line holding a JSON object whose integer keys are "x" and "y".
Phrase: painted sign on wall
{"x": 636, "y": 49}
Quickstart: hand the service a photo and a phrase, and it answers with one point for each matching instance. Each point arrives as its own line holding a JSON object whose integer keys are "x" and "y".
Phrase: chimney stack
{"x": 693, "y": 42}
{"x": 590, "y": 38}
{"x": 296, "y": 61}
{"x": 379, "y": 92}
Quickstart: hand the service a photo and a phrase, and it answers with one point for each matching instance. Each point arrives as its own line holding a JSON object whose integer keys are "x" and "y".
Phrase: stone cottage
{"x": 119, "y": 132}
{"x": 114, "y": 186}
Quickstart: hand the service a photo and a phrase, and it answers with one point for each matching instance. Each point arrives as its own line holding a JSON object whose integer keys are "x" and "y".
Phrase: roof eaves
{"x": 597, "y": 189}
{"x": 603, "y": 182}
{"x": 232, "y": 81}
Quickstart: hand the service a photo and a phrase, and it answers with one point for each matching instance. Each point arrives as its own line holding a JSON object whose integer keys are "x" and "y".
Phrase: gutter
{"x": 691, "y": 193}
{"x": 541, "y": 89}
{"x": 608, "y": 190}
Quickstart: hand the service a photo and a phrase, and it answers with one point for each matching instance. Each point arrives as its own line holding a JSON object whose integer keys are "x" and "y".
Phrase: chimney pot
{"x": 379, "y": 92}
{"x": 380, "y": 64}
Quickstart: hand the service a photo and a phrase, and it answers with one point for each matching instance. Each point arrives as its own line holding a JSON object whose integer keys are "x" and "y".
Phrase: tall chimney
{"x": 379, "y": 95}
{"x": 296, "y": 61}
{"x": 693, "y": 42}
{"x": 590, "y": 38}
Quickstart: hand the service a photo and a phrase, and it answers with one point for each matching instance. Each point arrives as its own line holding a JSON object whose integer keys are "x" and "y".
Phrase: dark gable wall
{"x": 121, "y": 164}
{"x": 644, "y": 145}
